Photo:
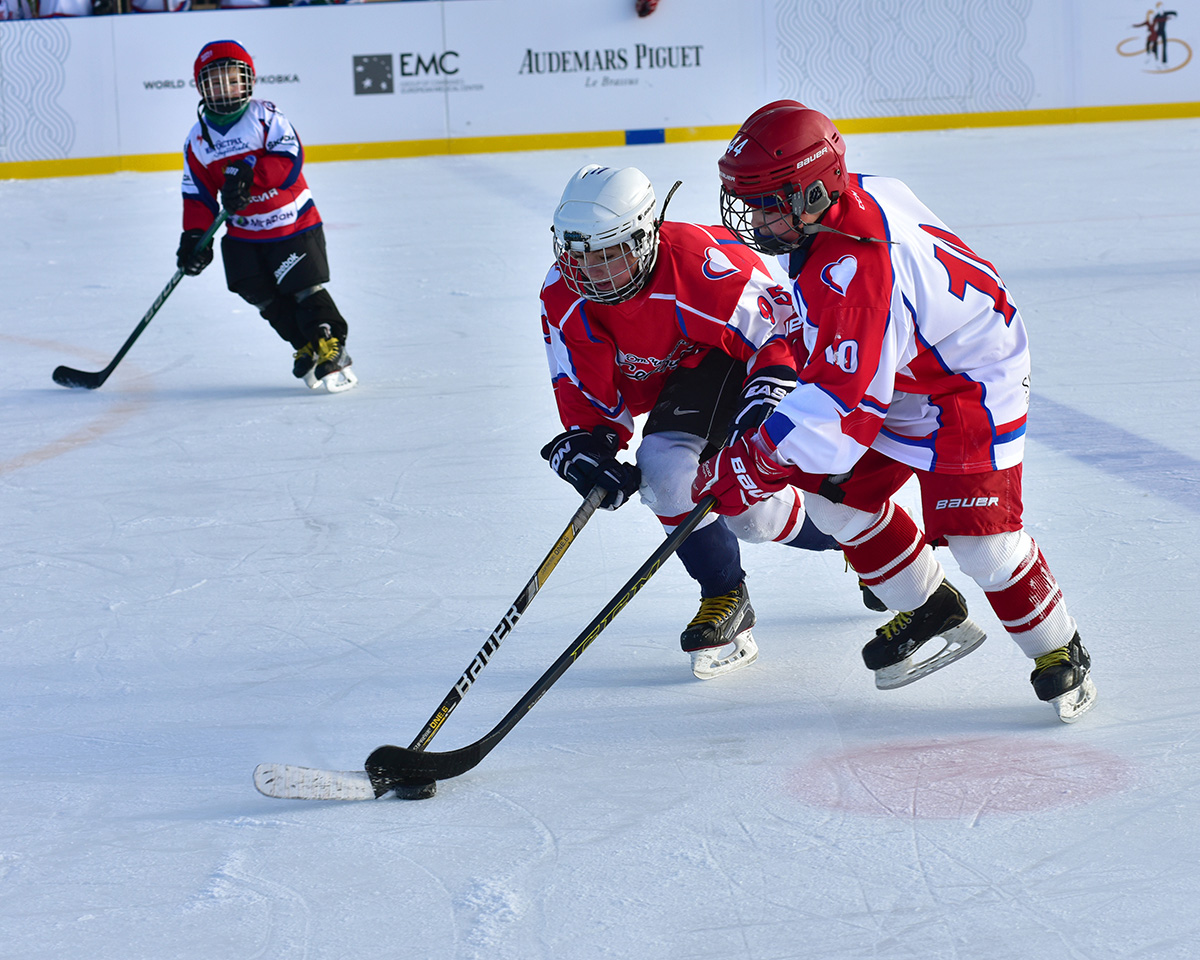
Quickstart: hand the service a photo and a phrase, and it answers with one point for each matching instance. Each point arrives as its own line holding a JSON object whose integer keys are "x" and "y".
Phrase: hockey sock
{"x": 1030, "y": 605}
{"x": 890, "y": 556}
{"x": 316, "y": 307}
{"x": 280, "y": 313}
{"x": 713, "y": 559}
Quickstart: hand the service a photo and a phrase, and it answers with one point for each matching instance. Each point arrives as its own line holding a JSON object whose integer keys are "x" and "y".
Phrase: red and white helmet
{"x": 224, "y": 75}
{"x": 785, "y": 160}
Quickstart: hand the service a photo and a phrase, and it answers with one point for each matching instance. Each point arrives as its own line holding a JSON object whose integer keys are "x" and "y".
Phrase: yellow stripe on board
{"x": 91, "y": 166}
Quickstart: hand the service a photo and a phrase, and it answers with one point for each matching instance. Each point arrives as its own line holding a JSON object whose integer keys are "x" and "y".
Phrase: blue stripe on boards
{"x": 1166, "y": 473}
{"x": 633, "y": 137}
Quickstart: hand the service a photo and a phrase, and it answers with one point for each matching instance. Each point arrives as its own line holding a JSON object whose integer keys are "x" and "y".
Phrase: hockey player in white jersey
{"x": 243, "y": 154}
{"x": 912, "y": 360}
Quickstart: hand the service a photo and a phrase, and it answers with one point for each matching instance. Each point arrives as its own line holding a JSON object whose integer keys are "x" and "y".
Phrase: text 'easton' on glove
{"x": 587, "y": 458}
{"x": 187, "y": 258}
{"x": 743, "y": 474}
{"x": 760, "y": 395}
{"x": 239, "y": 180}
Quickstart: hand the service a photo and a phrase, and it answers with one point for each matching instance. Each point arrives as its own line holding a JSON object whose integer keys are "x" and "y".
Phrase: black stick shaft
{"x": 390, "y": 766}
{"x": 509, "y": 620}
{"x": 70, "y": 377}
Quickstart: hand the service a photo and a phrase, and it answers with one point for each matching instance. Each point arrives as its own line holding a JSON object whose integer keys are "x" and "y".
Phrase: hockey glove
{"x": 743, "y": 474}
{"x": 239, "y": 179}
{"x": 586, "y": 458}
{"x": 190, "y": 260}
{"x": 760, "y": 395}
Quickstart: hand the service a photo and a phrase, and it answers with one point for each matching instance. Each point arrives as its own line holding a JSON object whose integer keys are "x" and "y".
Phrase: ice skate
{"x": 718, "y": 637}
{"x": 332, "y": 371}
{"x": 304, "y": 363}
{"x": 891, "y": 654}
{"x": 870, "y": 601}
{"x": 1063, "y": 679}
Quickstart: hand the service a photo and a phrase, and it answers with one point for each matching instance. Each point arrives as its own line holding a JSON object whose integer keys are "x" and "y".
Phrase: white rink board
{"x": 443, "y": 70}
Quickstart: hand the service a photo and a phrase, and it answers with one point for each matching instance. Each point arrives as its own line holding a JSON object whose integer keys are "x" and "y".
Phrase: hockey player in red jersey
{"x": 912, "y": 359}
{"x": 642, "y": 316}
{"x": 244, "y": 155}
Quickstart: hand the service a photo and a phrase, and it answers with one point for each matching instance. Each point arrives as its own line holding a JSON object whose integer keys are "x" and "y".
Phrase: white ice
{"x": 205, "y": 566}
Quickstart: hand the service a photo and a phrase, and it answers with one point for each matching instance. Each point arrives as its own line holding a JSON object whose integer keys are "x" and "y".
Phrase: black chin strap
{"x": 810, "y": 229}
{"x": 204, "y": 126}
{"x": 663, "y": 214}
{"x": 798, "y": 255}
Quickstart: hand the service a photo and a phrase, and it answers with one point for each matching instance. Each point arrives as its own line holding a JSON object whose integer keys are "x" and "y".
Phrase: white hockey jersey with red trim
{"x": 609, "y": 362}
{"x": 913, "y": 348}
{"x": 280, "y": 202}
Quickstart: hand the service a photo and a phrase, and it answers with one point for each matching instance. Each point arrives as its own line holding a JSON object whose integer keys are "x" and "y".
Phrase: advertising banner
{"x": 92, "y": 94}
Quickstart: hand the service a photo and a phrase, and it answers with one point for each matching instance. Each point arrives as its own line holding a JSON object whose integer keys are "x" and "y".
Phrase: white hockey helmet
{"x": 605, "y": 234}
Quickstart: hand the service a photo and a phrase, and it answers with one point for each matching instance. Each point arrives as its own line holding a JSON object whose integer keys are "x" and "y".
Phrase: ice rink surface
{"x": 204, "y": 566}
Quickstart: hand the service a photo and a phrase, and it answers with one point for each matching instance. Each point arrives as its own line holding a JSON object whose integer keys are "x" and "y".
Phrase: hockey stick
{"x": 70, "y": 377}
{"x": 452, "y": 699}
{"x": 397, "y": 768}
{"x": 287, "y": 781}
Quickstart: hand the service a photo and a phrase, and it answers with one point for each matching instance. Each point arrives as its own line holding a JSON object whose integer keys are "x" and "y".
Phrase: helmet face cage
{"x": 609, "y": 274}
{"x": 786, "y": 160}
{"x": 226, "y": 86}
{"x": 768, "y": 223}
{"x": 605, "y": 234}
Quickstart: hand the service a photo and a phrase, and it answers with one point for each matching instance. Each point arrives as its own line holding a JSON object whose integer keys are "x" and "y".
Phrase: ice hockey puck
{"x": 416, "y": 790}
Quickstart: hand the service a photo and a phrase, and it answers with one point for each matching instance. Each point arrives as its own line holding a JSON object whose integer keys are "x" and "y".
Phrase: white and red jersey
{"x": 280, "y": 202}
{"x": 609, "y": 362}
{"x": 912, "y": 348}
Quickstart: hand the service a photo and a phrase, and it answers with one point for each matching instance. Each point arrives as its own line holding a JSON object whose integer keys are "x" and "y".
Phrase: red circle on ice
{"x": 950, "y": 779}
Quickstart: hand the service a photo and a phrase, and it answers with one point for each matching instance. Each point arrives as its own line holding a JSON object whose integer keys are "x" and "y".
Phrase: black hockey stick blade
{"x": 403, "y": 768}
{"x": 70, "y": 377}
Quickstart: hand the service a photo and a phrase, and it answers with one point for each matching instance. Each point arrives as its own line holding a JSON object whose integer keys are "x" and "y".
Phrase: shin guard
{"x": 891, "y": 557}
{"x": 1030, "y": 606}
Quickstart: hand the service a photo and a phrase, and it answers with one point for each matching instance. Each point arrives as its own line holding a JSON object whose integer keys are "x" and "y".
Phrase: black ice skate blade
{"x": 417, "y": 790}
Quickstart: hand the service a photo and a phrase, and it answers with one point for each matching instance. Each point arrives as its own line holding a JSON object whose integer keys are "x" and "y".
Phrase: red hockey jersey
{"x": 913, "y": 347}
{"x": 609, "y": 362}
{"x": 280, "y": 202}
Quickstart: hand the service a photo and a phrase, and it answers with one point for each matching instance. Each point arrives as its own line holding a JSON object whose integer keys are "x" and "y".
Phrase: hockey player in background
{"x": 642, "y": 316}
{"x": 912, "y": 360}
{"x": 243, "y": 155}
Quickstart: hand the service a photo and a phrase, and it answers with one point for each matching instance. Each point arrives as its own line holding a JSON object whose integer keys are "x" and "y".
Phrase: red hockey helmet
{"x": 224, "y": 75}
{"x": 784, "y": 161}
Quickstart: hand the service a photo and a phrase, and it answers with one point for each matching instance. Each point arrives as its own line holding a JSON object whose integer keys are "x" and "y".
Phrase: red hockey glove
{"x": 741, "y": 475}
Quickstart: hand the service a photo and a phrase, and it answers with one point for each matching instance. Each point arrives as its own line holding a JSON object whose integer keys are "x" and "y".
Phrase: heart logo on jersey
{"x": 837, "y": 276}
{"x": 717, "y": 266}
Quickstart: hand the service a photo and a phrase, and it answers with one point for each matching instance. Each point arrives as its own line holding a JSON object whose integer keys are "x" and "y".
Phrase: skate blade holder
{"x": 956, "y": 644}
{"x": 1073, "y": 704}
{"x": 707, "y": 664}
{"x": 336, "y": 382}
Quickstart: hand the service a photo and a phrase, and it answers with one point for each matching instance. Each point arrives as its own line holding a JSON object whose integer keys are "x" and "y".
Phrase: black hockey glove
{"x": 586, "y": 458}
{"x": 239, "y": 179}
{"x": 187, "y": 258}
{"x": 760, "y": 395}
